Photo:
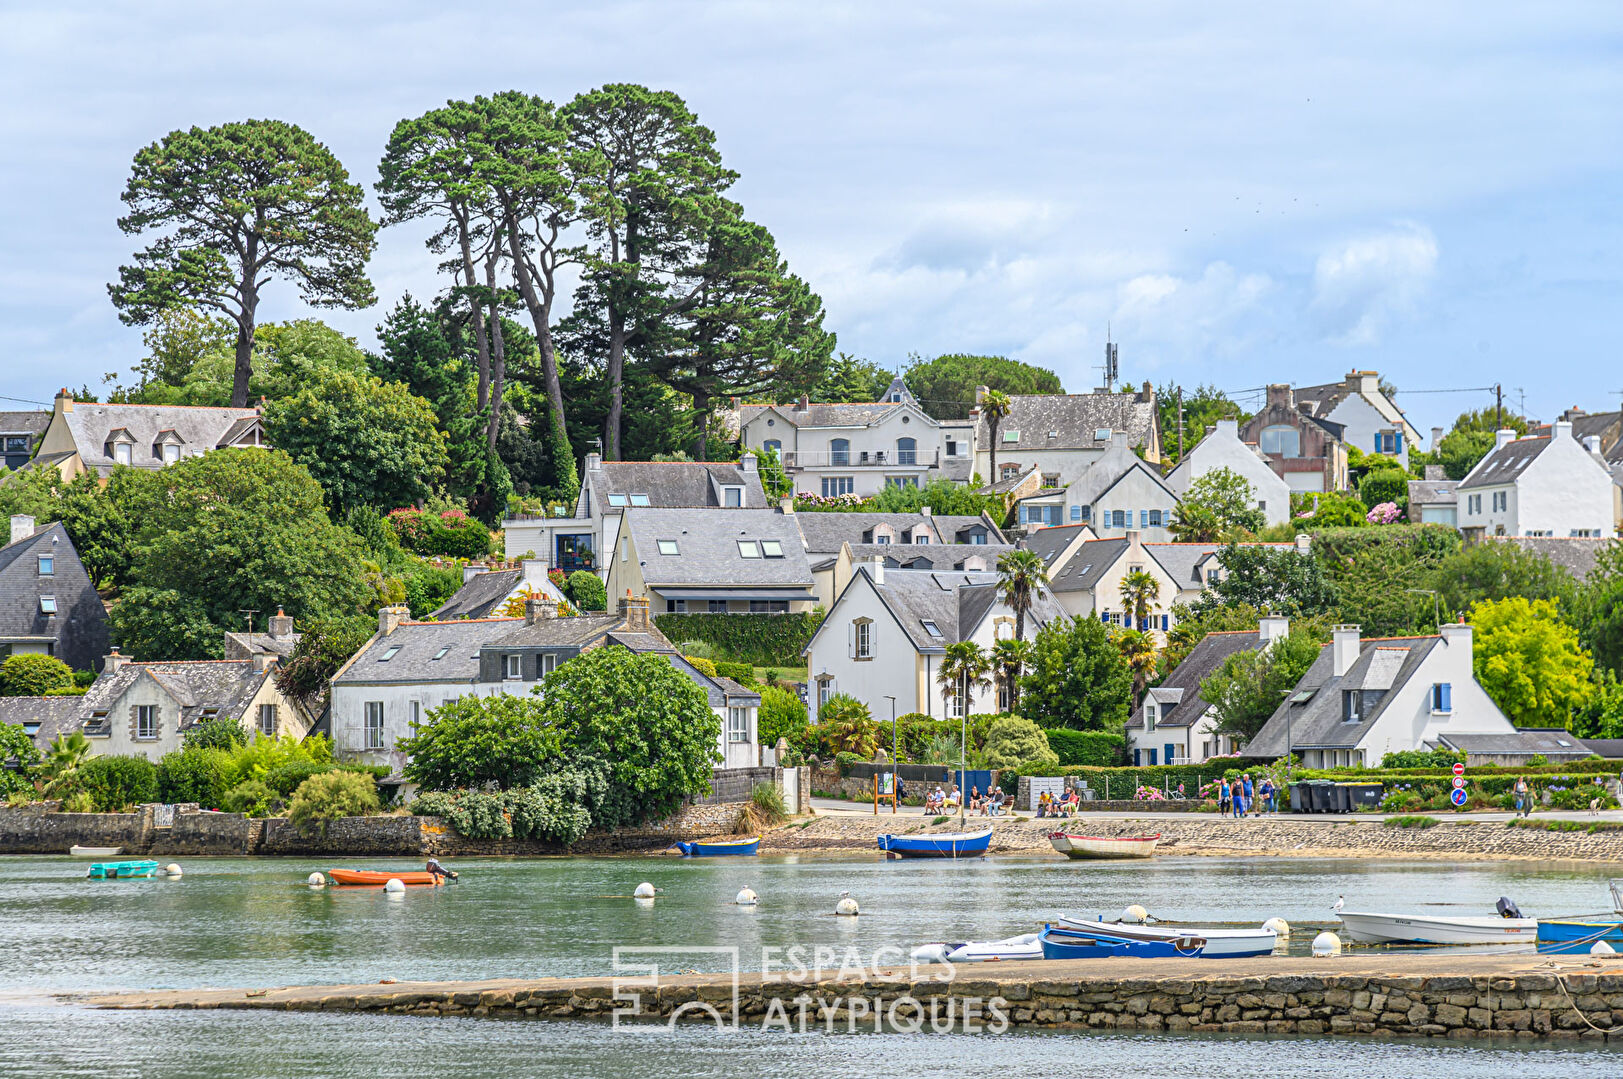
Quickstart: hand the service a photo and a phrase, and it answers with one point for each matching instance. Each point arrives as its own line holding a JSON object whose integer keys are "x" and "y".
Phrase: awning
{"x": 790, "y": 594}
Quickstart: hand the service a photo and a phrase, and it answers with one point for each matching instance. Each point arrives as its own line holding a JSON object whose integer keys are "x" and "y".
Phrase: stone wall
{"x": 37, "y": 829}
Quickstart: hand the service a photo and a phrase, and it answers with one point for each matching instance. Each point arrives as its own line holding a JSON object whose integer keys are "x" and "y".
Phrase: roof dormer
{"x": 120, "y": 446}
{"x": 167, "y": 446}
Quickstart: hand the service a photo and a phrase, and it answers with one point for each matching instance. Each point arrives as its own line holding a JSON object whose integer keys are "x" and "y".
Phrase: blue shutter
{"x": 1164, "y": 626}
{"x": 1104, "y": 616}
{"x": 1446, "y": 693}
{"x": 1076, "y": 513}
{"x": 1397, "y": 442}
{"x": 1143, "y": 518}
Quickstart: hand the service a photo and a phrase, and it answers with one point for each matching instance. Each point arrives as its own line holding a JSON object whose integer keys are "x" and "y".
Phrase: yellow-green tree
{"x": 1530, "y": 661}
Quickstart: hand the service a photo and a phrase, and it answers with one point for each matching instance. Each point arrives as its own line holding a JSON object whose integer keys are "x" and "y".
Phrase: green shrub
{"x": 30, "y": 674}
{"x": 1018, "y": 743}
{"x": 66, "y": 691}
{"x": 250, "y": 798}
{"x": 553, "y": 809}
{"x": 1100, "y": 749}
{"x": 284, "y": 779}
{"x": 116, "y": 783}
{"x": 1402, "y": 802}
{"x": 703, "y": 666}
{"x": 586, "y": 591}
{"x": 78, "y": 802}
{"x": 1384, "y": 485}
{"x": 1411, "y": 822}
{"x": 742, "y": 673}
{"x": 329, "y": 796}
{"x": 1422, "y": 758}
{"x": 761, "y": 640}
{"x": 216, "y": 732}
{"x": 1579, "y": 796}
{"x": 195, "y": 775}
{"x": 782, "y": 715}
{"x": 845, "y": 761}
{"x": 767, "y": 801}
{"x": 701, "y": 649}
{"x": 16, "y": 745}
{"x": 428, "y": 586}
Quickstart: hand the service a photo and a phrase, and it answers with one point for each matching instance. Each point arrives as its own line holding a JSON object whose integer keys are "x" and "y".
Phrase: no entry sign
{"x": 1459, "y": 769}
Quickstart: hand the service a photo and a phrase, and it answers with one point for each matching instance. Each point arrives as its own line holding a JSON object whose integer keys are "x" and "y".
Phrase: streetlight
{"x": 1436, "y": 613}
{"x": 895, "y": 791}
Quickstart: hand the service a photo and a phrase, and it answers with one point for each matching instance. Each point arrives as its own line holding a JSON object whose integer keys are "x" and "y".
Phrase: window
{"x": 839, "y": 451}
{"x": 416, "y": 714}
{"x": 389, "y": 653}
{"x": 511, "y": 666}
{"x": 1351, "y": 706}
{"x": 882, "y": 538}
{"x": 1586, "y": 533}
{"x": 774, "y": 445}
{"x": 373, "y": 731}
{"x": 441, "y": 653}
{"x": 1156, "y": 519}
{"x": 864, "y": 640}
{"x": 921, "y": 538}
{"x": 1101, "y": 434}
{"x": 1149, "y": 716}
{"x": 837, "y": 485}
{"x": 749, "y": 549}
{"x": 717, "y": 606}
{"x": 1118, "y": 519}
{"x": 931, "y": 628}
{"x": 738, "y": 724}
{"x": 546, "y": 663}
{"x": 1389, "y": 442}
{"x": 16, "y": 443}
{"x": 640, "y": 500}
{"x": 1008, "y": 471}
{"x": 895, "y": 398}
{"x": 146, "y": 721}
{"x": 47, "y": 565}
{"x": 47, "y": 605}
{"x": 1473, "y": 504}
{"x": 1442, "y": 697}
{"x": 771, "y": 549}
{"x": 769, "y": 606}
{"x": 1282, "y": 439}
{"x": 825, "y": 690}
{"x": 267, "y": 720}
{"x": 901, "y": 481}
{"x": 1087, "y": 514}
{"x": 1050, "y": 479}
{"x": 1501, "y": 501}
{"x": 619, "y": 501}
{"x": 907, "y": 451}
{"x": 121, "y": 453}
{"x": 732, "y": 497}
{"x": 952, "y": 447}
{"x": 171, "y": 454}
{"x": 676, "y": 606}
{"x": 1011, "y": 435}
{"x": 668, "y": 547}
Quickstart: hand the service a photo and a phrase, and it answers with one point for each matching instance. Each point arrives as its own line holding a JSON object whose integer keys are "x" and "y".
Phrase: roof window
{"x": 1011, "y": 435}
{"x": 389, "y": 653}
{"x": 749, "y": 549}
{"x": 441, "y": 653}
{"x": 1101, "y": 434}
{"x": 618, "y": 500}
{"x": 640, "y": 500}
{"x": 930, "y": 627}
{"x": 772, "y": 548}
{"x": 668, "y": 547}
{"x": 47, "y": 605}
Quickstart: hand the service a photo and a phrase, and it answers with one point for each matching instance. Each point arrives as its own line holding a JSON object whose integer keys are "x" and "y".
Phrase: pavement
{"x": 839, "y": 807}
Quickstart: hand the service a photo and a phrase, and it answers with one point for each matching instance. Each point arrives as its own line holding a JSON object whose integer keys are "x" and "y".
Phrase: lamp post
{"x": 895, "y": 790}
{"x": 963, "y": 746}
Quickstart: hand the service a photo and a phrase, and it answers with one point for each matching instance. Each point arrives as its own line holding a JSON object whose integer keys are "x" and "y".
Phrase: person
{"x": 439, "y": 871}
{"x": 997, "y": 803}
{"x": 1223, "y": 797}
{"x": 974, "y": 797}
{"x": 1266, "y": 791}
{"x": 1245, "y": 786}
{"x": 1524, "y": 796}
{"x": 1237, "y": 798}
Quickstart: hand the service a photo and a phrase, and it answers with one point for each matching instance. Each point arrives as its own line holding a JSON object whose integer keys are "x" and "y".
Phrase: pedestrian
{"x": 1222, "y": 797}
{"x": 1245, "y": 785}
{"x": 1524, "y": 797}
{"x": 1237, "y": 798}
{"x": 1266, "y": 790}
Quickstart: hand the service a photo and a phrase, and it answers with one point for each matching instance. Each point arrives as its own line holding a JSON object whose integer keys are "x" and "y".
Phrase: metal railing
{"x": 796, "y": 459}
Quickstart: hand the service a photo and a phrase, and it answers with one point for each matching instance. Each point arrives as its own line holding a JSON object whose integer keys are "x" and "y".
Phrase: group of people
{"x": 1063, "y": 806}
{"x": 1242, "y": 798}
{"x": 992, "y": 804}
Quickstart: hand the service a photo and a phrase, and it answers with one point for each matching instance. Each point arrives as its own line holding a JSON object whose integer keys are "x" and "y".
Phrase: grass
{"x": 940, "y": 820}
{"x": 1587, "y": 827}
{"x": 785, "y": 674}
{"x": 1412, "y": 822}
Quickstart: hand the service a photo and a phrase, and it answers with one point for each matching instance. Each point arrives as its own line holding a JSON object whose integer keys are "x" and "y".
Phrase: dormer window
{"x": 47, "y": 605}
{"x": 732, "y": 497}
{"x": 171, "y": 453}
{"x": 121, "y": 453}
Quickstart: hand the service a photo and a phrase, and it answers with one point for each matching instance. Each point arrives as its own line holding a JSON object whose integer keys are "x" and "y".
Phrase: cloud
{"x": 1364, "y": 285}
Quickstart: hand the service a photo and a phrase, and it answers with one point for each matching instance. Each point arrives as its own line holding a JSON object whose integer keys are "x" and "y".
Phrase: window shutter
{"x": 1448, "y": 696}
{"x": 851, "y": 640}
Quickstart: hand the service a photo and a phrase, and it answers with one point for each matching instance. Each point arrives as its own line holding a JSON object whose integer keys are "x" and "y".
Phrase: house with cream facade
{"x": 719, "y": 561}
{"x": 1539, "y": 486}
{"x": 90, "y": 436}
{"x": 1118, "y": 493}
{"x": 1222, "y": 448}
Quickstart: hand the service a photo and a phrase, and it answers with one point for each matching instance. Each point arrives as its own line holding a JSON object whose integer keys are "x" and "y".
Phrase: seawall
{"x": 1463, "y": 997}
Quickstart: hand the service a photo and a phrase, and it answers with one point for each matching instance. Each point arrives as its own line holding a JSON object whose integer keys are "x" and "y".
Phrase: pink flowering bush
{"x": 1384, "y": 513}
{"x": 1149, "y": 794}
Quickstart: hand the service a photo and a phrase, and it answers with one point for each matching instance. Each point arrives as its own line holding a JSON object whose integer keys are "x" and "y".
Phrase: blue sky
{"x": 1245, "y": 193}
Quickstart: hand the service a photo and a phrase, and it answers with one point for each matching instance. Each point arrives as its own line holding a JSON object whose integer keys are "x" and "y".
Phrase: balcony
{"x": 921, "y": 459}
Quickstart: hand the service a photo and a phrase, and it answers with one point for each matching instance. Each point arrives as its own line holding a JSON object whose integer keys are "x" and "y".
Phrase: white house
{"x": 1060, "y": 436}
{"x": 720, "y": 561}
{"x": 1222, "y": 448}
{"x": 486, "y": 591}
{"x": 826, "y": 534}
{"x": 886, "y": 635}
{"x": 1121, "y": 492}
{"x": 859, "y": 448}
{"x": 1364, "y": 699}
{"x": 1175, "y": 724}
{"x": 1550, "y": 486}
{"x": 1369, "y": 418}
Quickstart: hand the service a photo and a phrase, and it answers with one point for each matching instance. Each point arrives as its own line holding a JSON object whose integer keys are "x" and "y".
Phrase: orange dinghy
{"x": 378, "y": 878}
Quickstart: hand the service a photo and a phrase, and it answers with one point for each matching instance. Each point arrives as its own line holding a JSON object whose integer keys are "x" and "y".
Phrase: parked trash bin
{"x": 1366, "y": 795}
{"x": 1299, "y": 797}
{"x": 1341, "y": 798}
{"x": 1321, "y": 799}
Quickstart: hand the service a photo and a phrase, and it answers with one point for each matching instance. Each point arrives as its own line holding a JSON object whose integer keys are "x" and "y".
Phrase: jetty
{"x": 1454, "y": 996}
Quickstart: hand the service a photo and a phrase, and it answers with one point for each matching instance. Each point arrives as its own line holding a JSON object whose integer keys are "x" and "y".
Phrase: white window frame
{"x": 121, "y": 453}
{"x": 264, "y": 711}
{"x": 1149, "y": 717}
{"x": 863, "y": 646}
{"x": 146, "y": 722}
{"x": 512, "y": 666}
{"x": 674, "y": 547}
{"x": 47, "y": 565}
{"x": 738, "y": 725}
{"x": 732, "y": 497}
{"x": 171, "y": 453}
{"x": 47, "y": 605}
{"x": 372, "y": 725}
{"x": 546, "y": 663}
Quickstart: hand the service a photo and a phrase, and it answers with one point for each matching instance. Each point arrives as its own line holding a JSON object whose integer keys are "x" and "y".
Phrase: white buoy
{"x": 316, "y": 880}
{"x": 846, "y": 907}
{"x": 746, "y": 897}
{"x": 1325, "y": 945}
{"x": 1134, "y": 915}
{"x": 1602, "y": 948}
{"x": 643, "y": 891}
{"x": 172, "y": 869}
{"x": 395, "y": 886}
{"x": 1281, "y": 928}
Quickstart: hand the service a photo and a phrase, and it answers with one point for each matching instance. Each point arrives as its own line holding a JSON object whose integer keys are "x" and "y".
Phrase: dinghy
{"x": 1368, "y": 928}
{"x": 943, "y": 845}
{"x": 377, "y": 878}
{"x": 1220, "y": 943}
{"x": 95, "y": 852}
{"x": 720, "y": 848}
{"x": 1024, "y": 946}
{"x": 121, "y": 870}
{"x": 1062, "y": 942}
{"x": 1575, "y": 936}
{"x": 1083, "y": 847}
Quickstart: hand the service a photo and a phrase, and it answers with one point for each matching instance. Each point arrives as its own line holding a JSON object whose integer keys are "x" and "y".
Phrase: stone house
{"x": 1307, "y": 451}
{"x": 1060, "y": 436}
{"x": 859, "y": 448}
{"x": 1549, "y": 486}
{"x": 86, "y": 435}
{"x": 726, "y": 561}
{"x": 48, "y": 604}
{"x": 1222, "y": 448}
{"x": 1369, "y": 419}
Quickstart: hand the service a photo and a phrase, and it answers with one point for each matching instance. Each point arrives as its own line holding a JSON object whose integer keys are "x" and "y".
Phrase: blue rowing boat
{"x": 121, "y": 870}
{"x": 721, "y": 848}
{"x": 945, "y": 845}
{"x": 1060, "y": 942}
{"x": 1577, "y": 935}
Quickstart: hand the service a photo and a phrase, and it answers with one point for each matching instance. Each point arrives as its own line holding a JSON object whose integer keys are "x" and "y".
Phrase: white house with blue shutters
{"x": 1369, "y": 418}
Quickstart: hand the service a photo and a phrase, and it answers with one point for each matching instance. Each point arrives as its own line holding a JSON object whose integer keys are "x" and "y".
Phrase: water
{"x": 252, "y": 922}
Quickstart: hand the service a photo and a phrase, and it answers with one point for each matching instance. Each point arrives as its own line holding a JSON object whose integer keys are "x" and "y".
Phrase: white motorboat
{"x": 1220, "y": 943}
{"x": 1024, "y": 946}
{"x": 1367, "y": 928}
{"x": 94, "y": 852}
{"x": 1085, "y": 847}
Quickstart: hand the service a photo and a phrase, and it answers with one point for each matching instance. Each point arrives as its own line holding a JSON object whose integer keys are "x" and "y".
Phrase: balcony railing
{"x": 861, "y": 459}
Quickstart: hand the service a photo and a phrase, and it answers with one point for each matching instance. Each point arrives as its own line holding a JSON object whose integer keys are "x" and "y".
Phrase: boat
{"x": 944, "y": 845}
{"x": 720, "y": 848}
{"x": 95, "y": 852}
{"x": 1063, "y": 942}
{"x": 1095, "y": 846}
{"x": 1578, "y": 935}
{"x": 121, "y": 870}
{"x": 377, "y": 878}
{"x": 1024, "y": 946}
{"x": 1220, "y": 943}
{"x": 1367, "y": 928}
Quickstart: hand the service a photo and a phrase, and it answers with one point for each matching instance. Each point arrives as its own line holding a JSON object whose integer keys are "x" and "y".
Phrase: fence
{"x": 735, "y": 785}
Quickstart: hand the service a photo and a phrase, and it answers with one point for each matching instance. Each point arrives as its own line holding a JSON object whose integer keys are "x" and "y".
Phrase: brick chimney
{"x": 803, "y": 404}
{"x": 22, "y": 526}
{"x": 111, "y": 662}
{"x": 280, "y": 625}
{"x": 389, "y": 619}
{"x": 634, "y": 612}
{"x": 539, "y": 610}
{"x": 1343, "y": 649}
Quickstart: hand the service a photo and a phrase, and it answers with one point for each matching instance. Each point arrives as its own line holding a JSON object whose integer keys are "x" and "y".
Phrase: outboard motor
{"x": 1506, "y": 908}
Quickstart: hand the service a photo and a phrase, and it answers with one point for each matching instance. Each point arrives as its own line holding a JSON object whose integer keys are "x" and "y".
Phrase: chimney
{"x": 1229, "y": 429}
{"x": 1592, "y": 444}
{"x": 1271, "y": 628}
{"x": 1503, "y": 437}
{"x": 539, "y": 610}
{"x": 1304, "y": 543}
{"x": 263, "y": 661}
{"x": 22, "y": 526}
{"x": 281, "y": 624}
{"x": 112, "y": 662}
{"x": 786, "y": 505}
{"x": 1282, "y": 395}
{"x": 1344, "y": 649}
{"x": 472, "y": 570}
{"x": 64, "y": 400}
{"x": 876, "y": 569}
{"x": 1364, "y": 381}
{"x": 926, "y": 510}
{"x": 594, "y": 462}
{"x": 803, "y": 404}
{"x": 634, "y": 612}
{"x": 747, "y": 462}
{"x": 1147, "y": 393}
{"x": 980, "y": 394}
{"x": 533, "y": 571}
{"x": 1436, "y": 438}
{"x": 1563, "y": 429}
{"x": 1435, "y": 472}
{"x": 1135, "y": 540}
{"x": 1457, "y": 633}
{"x": 389, "y": 619}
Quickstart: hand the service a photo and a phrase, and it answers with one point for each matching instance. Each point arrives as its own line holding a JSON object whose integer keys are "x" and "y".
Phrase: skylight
{"x": 668, "y": 547}
{"x": 640, "y": 500}
{"x": 930, "y": 627}
{"x": 749, "y": 549}
{"x": 1012, "y": 435}
{"x": 441, "y": 653}
{"x": 47, "y": 604}
{"x": 389, "y": 654}
{"x": 772, "y": 548}
{"x": 1101, "y": 434}
{"x": 617, "y": 500}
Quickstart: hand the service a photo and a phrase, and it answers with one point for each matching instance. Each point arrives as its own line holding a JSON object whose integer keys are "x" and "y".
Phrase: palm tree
{"x": 1139, "y": 651}
{"x": 848, "y": 727}
{"x": 1009, "y": 659}
{"x": 964, "y": 669}
{"x": 1022, "y": 576}
{"x": 1139, "y": 592}
{"x": 62, "y": 759}
{"x": 995, "y": 406}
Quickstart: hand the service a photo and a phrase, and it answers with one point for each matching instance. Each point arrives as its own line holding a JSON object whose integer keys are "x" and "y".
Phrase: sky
{"x": 1238, "y": 193}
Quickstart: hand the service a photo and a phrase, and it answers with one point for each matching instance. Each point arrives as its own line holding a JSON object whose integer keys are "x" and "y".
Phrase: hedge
{"x": 742, "y": 673}
{"x": 116, "y": 783}
{"x": 1096, "y": 748}
{"x": 761, "y": 640}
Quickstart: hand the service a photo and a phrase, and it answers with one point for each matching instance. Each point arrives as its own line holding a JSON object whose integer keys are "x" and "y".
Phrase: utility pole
{"x": 1498, "y": 406}
{"x": 1180, "y": 424}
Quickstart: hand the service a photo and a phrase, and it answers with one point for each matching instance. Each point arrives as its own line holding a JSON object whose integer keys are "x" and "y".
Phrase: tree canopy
{"x": 1529, "y": 660}
{"x": 1077, "y": 678}
{"x": 945, "y": 386}
{"x": 1218, "y": 504}
{"x": 1248, "y": 687}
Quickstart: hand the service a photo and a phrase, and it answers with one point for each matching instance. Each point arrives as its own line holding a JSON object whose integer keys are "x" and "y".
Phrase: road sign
{"x": 1459, "y": 769}
{"x": 1459, "y": 783}
{"x": 1458, "y": 797}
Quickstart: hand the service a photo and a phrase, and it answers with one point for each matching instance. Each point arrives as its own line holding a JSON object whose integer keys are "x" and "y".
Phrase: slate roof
{"x": 1047, "y": 543}
{"x": 225, "y": 686}
{"x": 480, "y": 596}
{"x": 1183, "y": 561}
{"x": 1004, "y": 486}
{"x": 1084, "y": 568}
{"x": 264, "y": 643}
{"x": 556, "y": 632}
{"x": 78, "y": 629}
{"x": 823, "y": 533}
{"x": 1550, "y": 743}
{"x": 1577, "y": 555}
{"x": 955, "y": 601}
{"x": 675, "y": 484}
{"x": 1118, "y": 461}
{"x": 838, "y": 414}
{"x": 200, "y": 429}
{"x": 1605, "y": 747}
{"x": 707, "y": 547}
{"x": 1070, "y": 421}
{"x": 1383, "y": 664}
{"x": 1433, "y": 492}
{"x": 48, "y": 716}
{"x": 929, "y": 555}
{"x": 418, "y": 644}
{"x": 33, "y": 422}
{"x": 1179, "y": 696}
{"x": 1505, "y": 464}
